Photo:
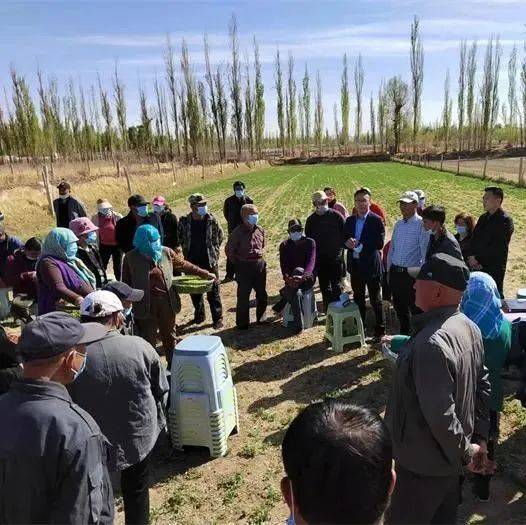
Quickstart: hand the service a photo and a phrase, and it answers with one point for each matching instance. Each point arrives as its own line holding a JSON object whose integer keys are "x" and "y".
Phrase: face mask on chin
{"x": 64, "y": 197}
{"x": 321, "y": 210}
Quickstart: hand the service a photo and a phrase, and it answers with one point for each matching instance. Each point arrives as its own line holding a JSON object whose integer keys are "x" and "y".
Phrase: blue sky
{"x": 79, "y": 39}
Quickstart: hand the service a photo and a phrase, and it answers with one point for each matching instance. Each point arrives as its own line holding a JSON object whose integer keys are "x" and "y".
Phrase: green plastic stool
{"x": 344, "y": 326}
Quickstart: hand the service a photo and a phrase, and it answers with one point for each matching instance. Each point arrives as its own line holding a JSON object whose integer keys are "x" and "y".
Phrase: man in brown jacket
{"x": 438, "y": 412}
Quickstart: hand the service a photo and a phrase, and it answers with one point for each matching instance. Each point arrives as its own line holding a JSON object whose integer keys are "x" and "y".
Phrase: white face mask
{"x": 239, "y": 193}
{"x": 295, "y": 236}
{"x": 64, "y": 197}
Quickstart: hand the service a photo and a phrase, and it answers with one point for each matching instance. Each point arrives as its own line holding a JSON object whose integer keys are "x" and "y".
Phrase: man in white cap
{"x": 124, "y": 388}
{"x": 407, "y": 251}
{"x": 106, "y": 219}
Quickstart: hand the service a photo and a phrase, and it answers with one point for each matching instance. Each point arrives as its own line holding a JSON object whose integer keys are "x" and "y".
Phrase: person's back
{"x": 327, "y": 232}
{"x": 338, "y": 465}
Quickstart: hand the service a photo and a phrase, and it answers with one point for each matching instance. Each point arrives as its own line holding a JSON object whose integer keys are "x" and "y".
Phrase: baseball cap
{"x": 319, "y": 196}
{"x": 63, "y": 185}
{"x": 124, "y": 292}
{"x": 196, "y": 198}
{"x": 365, "y": 189}
{"x": 137, "y": 200}
{"x": 159, "y": 200}
{"x": 446, "y": 270}
{"x": 294, "y": 224}
{"x": 55, "y": 333}
{"x": 100, "y": 304}
{"x": 82, "y": 225}
{"x": 104, "y": 204}
{"x": 408, "y": 196}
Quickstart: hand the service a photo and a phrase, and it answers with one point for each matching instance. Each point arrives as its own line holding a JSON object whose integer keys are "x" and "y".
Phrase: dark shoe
{"x": 198, "y": 320}
{"x": 278, "y": 307}
{"x": 218, "y": 324}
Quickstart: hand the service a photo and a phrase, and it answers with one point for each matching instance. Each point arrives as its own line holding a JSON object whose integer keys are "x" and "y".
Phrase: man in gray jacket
{"x": 438, "y": 412}
{"x": 124, "y": 388}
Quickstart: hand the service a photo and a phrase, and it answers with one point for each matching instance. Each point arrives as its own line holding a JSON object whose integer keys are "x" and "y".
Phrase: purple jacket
{"x": 301, "y": 254}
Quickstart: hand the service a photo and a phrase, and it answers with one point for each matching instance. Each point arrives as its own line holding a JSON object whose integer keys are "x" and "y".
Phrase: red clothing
{"x": 107, "y": 230}
{"x": 246, "y": 244}
{"x": 375, "y": 208}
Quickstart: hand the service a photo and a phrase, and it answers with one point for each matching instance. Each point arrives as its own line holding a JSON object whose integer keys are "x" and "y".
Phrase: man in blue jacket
{"x": 364, "y": 236}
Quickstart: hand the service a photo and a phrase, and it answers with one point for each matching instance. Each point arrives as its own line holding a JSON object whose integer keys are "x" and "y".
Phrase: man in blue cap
{"x": 52, "y": 453}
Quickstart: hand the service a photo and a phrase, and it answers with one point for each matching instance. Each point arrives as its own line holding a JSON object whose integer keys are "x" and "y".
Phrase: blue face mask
{"x": 253, "y": 219}
{"x": 76, "y": 373}
{"x": 239, "y": 193}
{"x": 202, "y": 210}
{"x": 461, "y": 229}
{"x": 91, "y": 238}
{"x": 142, "y": 211}
{"x": 157, "y": 208}
{"x": 157, "y": 250}
{"x": 127, "y": 311}
{"x": 71, "y": 251}
{"x": 295, "y": 236}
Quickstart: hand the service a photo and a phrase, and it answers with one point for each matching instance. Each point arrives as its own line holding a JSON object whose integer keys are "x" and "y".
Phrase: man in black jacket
{"x": 491, "y": 238}
{"x": 232, "y": 213}
{"x": 325, "y": 226}
{"x": 67, "y": 207}
{"x": 138, "y": 215}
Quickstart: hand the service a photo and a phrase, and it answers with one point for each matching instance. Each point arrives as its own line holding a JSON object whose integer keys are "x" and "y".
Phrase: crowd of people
{"x": 83, "y": 401}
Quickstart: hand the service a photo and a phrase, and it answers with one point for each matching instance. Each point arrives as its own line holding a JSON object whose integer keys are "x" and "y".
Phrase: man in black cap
{"x": 139, "y": 214}
{"x": 128, "y": 296}
{"x": 438, "y": 412}
{"x": 52, "y": 453}
{"x": 67, "y": 207}
{"x": 232, "y": 212}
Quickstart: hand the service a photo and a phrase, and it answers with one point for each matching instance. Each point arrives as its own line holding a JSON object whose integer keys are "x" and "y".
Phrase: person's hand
{"x": 13, "y": 337}
{"x": 351, "y": 243}
{"x": 479, "y": 457}
{"x": 78, "y": 300}
{"x": 213, "y": 277}
{"x": 387, "y": 339}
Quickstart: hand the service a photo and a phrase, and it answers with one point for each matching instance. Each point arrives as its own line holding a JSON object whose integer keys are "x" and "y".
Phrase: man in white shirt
{"x": 408, "y": 249}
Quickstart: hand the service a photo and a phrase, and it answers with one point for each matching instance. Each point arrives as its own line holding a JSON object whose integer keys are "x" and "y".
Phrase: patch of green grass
{"x": 250, "y": 450}
{"x": 230, "y": 487}
{"x": 266, "y": 415}
{"x": 514, "y": 412}
{"x": 262, "y": 513}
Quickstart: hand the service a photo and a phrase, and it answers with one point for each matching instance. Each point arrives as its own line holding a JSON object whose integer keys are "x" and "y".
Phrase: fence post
{"x": 45, "y": 179}
{"x": 441, "y": 162}
{"x": 485, "y": 167}
{"x": 411, "y": 159}
{"x": 173, "y": 173}
{"x": 118, "y": 168}
{"x": 521, "y": 173}
{"x": 202, "y": 171}
{"x": 458, "y": 164}
{"x": 128, "y": 181}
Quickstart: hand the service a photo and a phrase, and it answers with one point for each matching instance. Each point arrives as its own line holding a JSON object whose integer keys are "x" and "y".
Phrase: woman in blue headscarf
{"x": 60, "y": 274}
{"x": 482, "y": 304}
{"x": 150, "y": 267}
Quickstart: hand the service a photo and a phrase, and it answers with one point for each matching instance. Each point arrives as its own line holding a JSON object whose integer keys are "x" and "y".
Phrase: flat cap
{"x": 196, "y": 198}
{"x": 446, "y": 270}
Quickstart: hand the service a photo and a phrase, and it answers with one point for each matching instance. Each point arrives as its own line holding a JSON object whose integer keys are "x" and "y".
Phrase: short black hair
{"x": 33, "y": 244}
{"x": 338, "y": 458}
{"x": 239, "y": 184}
{"x": 496, "y": 191}
{"x": 362, "y": 191}
{"x": 434, "y": 212}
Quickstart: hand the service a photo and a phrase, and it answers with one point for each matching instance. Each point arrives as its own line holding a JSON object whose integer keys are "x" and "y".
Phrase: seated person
{"x": 128, "y": 296}
{"x": 297, "y": 257}
{"x": 88, "y": 251}
{"x": 338, "y": 465}
{"x": 20, "y": 274}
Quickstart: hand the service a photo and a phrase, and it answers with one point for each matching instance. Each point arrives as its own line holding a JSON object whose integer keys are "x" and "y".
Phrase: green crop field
{"x": 276, "y": 374}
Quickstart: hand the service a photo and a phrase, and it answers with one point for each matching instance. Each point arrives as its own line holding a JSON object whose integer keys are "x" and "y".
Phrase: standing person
{"x": 464, "y": 224}
{"x": 374, "y": 207}
{"x": 364, "y": 236}
{"x": 121, "y": 368}
{"x": 334, "y": 204}
{"x": 168, "y": 221}
{"x": 20, "y": 274}
{"x": 491, "y": 238}
{"x": 421, "y": 201}
{"x": 61, "y": 275}
{"x": 481, "y": 303}
{"x": 67, "y": 207}
{"x": 201, "y": 238}
{"x": 88, "y": 252}
{"x": 52, "y": 453}
{"x": 232, "y": 213}
{"x": 297, "y": 258}
{"x": 441, "y": 240}
{"x": 8, "y": 246}
{"x": 138, "y": 215}
{"x": 128, "y": 296}
{"x": 325, "y": 226}
{"x": 408, "y": 249}
{"x": 245, "y": 249}
{"x": 438, "y": 412}
{"x": 338, "y": 464}
{"x": 106, "y": 220}
{"x": 149, "y": 267}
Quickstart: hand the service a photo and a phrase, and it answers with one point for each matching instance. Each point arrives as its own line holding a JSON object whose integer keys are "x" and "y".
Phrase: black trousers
{"x": 293, "y": 296}
{"x": 250, "y": 276}
{"x": 230, "y": 269}
{"x": 135, "y": 484}
{"x": 403, "y": 292}
{"x": 358, "y": 283}
{"x": 113, "y": 252}
{"x": 213, "y": 298}
{"x": 329, "y": 277}
{"x": 419, "y": 499}
{"x": 481, "y": 482}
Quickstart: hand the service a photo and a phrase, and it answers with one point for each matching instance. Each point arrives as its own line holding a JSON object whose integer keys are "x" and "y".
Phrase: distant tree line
{"x": 221, "y": 116}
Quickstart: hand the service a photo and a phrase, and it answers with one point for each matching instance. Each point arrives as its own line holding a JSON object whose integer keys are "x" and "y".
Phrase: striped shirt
{"x": 409, "y": 243}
